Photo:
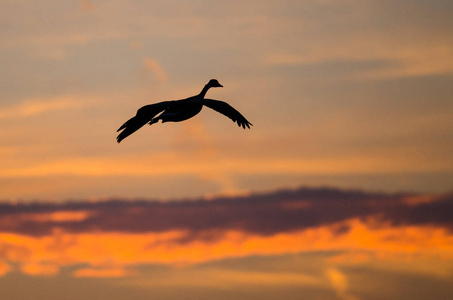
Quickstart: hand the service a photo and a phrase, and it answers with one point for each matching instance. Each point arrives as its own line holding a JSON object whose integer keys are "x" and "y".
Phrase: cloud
{"x": 35, "y": 107}
{"x": 176, "y": 163}
{"x": 101, "y": 272}
{"x": 262, "y": 214}
{"x": 339, "y": 283}
{"x": 367, "y": 41}
{"x": 153, "y": 66}
{"x": 4, "y": 268}
{"x": 226, "y": 279}
{"x": 40, "y": 269}
{"x": 87, "y": 5}
{"x": 110, "y": 254}
{"x": 111, "y": 238}
{"x": 368, "y": 61}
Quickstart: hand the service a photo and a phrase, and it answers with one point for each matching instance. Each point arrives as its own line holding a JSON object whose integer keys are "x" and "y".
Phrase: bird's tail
{"x": 131, "y": 126}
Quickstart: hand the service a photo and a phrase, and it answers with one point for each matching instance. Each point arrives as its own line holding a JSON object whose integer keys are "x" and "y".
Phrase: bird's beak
{"x": 220, "y": 85}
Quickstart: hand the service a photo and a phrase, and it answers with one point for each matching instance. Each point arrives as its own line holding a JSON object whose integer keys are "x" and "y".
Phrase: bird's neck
{"x": 204, "y": 91}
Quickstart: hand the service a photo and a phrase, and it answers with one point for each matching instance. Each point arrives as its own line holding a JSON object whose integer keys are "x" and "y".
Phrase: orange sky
{"x": 214, "y": 244}
{"x": 347, "y": 94}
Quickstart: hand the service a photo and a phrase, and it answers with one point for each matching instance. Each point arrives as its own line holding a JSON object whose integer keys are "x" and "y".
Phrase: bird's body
{"x": 180, "y": 110}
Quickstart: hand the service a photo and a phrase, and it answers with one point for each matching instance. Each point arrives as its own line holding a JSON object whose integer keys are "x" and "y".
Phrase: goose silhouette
{"x": 180, "y": 110}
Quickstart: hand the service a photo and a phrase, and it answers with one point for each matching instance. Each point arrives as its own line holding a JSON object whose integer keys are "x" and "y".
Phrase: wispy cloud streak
{"x": 34, "y": 107}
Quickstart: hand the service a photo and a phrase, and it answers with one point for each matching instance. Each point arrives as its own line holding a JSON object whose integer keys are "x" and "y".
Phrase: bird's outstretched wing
{"x": 227, "y": 110}
{"x": 143, "y": 116}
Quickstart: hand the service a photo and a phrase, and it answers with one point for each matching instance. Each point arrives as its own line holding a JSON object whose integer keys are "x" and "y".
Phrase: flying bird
{"x": 180, "y": 110}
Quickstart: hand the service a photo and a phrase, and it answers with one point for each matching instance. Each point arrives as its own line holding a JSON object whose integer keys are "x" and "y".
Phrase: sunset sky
{"x": 342, "y": 189}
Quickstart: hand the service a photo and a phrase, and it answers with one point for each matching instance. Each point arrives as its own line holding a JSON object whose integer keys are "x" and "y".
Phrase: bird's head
{"x": 214, "y": 83}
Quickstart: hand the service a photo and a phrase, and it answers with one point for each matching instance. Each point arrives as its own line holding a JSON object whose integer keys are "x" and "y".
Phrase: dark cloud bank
{"x": 263, "y": 214}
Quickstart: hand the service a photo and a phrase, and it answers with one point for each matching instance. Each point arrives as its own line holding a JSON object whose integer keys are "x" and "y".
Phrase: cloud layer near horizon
{"x": 261, "y": 214}
{"x": 114, "y": 235}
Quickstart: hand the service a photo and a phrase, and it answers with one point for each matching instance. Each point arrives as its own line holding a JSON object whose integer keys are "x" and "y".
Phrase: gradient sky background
{"x": 347, "y": 94}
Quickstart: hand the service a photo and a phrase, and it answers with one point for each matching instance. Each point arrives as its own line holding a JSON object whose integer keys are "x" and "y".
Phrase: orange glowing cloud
{"x": 169, "y": 164}
{"x": 101, "y": 273}
{"x": 4, "y": 268}
{"x": 58, "y": 216}
{"x": 107, "y": 254}
{"x": 339, "y": 283}
{"x": 112, "y": 238}
{"x": 40, "y": 269}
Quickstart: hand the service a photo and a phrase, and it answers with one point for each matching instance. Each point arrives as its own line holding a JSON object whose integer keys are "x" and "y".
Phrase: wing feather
{"x": 228, "y": 111}
{"x": 144, "y": 115}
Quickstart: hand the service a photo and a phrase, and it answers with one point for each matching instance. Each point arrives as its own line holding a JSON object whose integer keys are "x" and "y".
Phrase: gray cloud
{"x": 263, "y": 214}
